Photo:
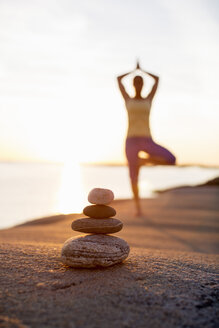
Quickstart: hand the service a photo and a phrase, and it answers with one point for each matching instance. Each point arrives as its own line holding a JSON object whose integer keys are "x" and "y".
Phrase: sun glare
{"x": 71, "y": 197}
{"x": 146, "y": 188}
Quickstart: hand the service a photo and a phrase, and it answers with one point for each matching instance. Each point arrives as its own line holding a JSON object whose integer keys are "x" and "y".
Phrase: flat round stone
{"x": 91, "y": 251}
{"x": 91, "y": 225}
{"x": 99, "y": 211}
{"x": 100, "y": 196}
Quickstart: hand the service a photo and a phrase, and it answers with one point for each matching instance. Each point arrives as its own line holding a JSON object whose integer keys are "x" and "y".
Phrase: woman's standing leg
{"x": 133, "y": 163}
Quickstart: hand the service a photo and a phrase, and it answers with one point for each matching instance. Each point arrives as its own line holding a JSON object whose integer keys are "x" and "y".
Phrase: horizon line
{"x": 114, "y": 164}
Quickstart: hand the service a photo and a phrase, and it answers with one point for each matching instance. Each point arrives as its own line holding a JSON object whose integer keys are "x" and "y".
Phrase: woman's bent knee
{"x": 172, "y": 160}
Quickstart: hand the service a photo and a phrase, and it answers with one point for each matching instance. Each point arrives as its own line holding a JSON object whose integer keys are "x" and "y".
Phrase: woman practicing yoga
{"x": 139, "y": 135}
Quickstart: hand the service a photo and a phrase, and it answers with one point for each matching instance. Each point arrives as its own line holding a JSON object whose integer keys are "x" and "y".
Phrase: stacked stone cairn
{"x": 97, "y": 247}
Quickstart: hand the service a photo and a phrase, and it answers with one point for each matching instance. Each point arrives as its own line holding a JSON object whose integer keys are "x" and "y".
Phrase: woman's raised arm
{"x": 121, "y": 86}
{"x": 151, "y": 94}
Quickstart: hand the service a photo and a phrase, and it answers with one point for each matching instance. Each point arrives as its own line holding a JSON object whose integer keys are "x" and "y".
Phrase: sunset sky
{"x": 59, "y": 60}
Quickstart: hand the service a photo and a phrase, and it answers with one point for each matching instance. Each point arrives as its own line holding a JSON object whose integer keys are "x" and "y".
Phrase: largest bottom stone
{"x": 89, "y": 251}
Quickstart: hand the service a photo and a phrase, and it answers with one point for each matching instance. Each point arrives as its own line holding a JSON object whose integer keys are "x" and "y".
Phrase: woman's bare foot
{"x": 138, "y": 210}
{"x": 144, "y": 161}
{"x": 152, "y": 161}
{"x": 138, "y": 214}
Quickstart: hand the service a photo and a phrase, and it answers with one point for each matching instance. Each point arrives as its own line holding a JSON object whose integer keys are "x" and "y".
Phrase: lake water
{"x": 30, "y": 190}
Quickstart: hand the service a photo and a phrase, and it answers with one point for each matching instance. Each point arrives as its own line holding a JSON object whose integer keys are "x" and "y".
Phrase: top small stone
{"x": 100, "y": 196}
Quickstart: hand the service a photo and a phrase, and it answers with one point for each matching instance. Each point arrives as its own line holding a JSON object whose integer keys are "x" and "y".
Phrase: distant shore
{"x": 114, "y": 164}
{"x": 211, "y": 183}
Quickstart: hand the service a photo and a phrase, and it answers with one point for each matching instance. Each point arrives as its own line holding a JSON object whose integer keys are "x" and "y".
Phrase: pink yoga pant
{"x": 136, "y": 144}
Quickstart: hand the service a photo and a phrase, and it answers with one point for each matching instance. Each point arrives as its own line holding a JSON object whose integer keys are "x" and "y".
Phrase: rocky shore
{"x": 168, "y": 280}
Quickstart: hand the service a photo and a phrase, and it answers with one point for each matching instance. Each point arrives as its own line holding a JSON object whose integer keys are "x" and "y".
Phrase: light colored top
{"x": 138, "y": 117}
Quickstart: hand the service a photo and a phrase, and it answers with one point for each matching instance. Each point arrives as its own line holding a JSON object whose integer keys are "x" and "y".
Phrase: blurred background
{"x": 60, "y": 105}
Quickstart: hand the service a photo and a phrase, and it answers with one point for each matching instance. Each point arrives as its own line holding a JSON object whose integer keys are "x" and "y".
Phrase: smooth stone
{"x": 99, "y": 211}
{"x": 91, "y": 225}
{"x": 91, "y": 251}
{"x": 100, "y": 196}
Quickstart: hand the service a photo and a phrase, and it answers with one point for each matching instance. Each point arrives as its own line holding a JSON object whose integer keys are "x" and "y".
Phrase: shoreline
{"x": 19, "y": 206}
{"x": 59, "y": 216}
{"x": 170, "y": 212}
{"x": 49, "y": 219}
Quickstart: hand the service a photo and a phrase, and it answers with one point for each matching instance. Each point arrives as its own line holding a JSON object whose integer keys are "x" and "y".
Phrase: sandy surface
{"x": 169, "y": 279}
